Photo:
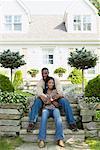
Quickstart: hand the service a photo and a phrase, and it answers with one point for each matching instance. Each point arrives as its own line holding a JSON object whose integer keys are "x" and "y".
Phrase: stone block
{"x": 88, "y": 112}
{"x": 9, "y": 111}
{"x": 92, "y": 133}
{"x": 10, "y": 116}
{"x": 86, "y": 118}
{"x": 91, "y": 125}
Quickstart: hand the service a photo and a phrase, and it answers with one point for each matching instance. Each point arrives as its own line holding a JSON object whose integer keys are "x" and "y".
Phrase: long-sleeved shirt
{"x": 41, "y": 87}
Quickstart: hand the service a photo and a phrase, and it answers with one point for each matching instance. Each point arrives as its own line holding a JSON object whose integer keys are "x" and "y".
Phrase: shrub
{"x": 93, "y": 87}
{"x": 6, "y": 97}
{"x": 33, "y": 72}
{"x": 5, "y": 84}
{"x": 18, "y": 79}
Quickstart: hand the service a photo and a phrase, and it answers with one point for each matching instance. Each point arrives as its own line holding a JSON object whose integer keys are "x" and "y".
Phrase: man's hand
{"x": 57, "y": 96}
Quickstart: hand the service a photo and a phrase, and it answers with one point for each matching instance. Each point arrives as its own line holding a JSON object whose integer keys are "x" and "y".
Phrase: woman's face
{"x": 50, "y": 84}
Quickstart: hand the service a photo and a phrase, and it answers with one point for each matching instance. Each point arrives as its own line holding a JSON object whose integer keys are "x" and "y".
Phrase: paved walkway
{"x": 53, "y": 146}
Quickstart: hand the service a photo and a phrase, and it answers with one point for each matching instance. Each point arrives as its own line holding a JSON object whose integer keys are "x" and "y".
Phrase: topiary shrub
{"x": 5, "y": 84}
{"x": 93, "y": 87}
{"x": 18, "y": 79}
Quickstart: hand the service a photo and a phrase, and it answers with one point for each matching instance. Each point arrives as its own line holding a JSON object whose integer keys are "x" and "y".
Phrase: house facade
{"x": 47, "y": 31}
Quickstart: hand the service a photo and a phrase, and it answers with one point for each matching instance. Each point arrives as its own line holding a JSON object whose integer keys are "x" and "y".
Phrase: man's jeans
{"x": 55, "y": 113}
{"x": 33, "y": 114}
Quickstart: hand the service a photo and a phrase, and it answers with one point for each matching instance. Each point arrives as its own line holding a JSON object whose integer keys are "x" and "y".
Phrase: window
{"x": 86, "y": 23}
{"x": 48, "y": 57}
{"x": 13, "y": 23}
{"x": 77, "y": 23}
{"x": 82, "y": 23}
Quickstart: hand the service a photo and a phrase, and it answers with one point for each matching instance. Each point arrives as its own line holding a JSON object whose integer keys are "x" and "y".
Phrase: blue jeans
{"x": 55, "y": 113}
{"x": 33, "y": 115}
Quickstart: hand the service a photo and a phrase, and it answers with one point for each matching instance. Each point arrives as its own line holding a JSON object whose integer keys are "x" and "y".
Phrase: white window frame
{"x": 14, "y": 21}
{"x": 82, "y": 23}
{"x": 46, "y": 53}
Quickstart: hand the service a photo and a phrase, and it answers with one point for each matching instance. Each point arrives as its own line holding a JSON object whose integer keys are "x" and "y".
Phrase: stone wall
{"x": 10, "y": 119}
{"x": 91, "y": 124}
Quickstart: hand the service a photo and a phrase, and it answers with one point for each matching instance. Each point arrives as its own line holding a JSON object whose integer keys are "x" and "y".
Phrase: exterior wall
{"x": 34, "y": 58}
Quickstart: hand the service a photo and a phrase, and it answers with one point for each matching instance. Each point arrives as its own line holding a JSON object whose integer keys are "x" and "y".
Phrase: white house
{"x": 47, "y": 31}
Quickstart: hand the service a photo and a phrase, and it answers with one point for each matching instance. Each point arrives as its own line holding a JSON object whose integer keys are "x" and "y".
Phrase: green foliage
{"x": 82, "y": 59}
{"x": 11, "y": 97}
{"x": 33, "y": 72}
{"x": 96, "y": 3}
{"x": 60, "y": 71}
{"x": 18, "y": 79}
{"x": 5, "y": 84}
{"x": 94, "y": 144}
{"x": 93, "y": 87}
{"x": 76, "y": 76}
{"x": 11, "y": 60}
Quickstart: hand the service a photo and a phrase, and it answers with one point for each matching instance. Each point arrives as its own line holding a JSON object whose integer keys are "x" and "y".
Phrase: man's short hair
{"x": 45, "y": 69}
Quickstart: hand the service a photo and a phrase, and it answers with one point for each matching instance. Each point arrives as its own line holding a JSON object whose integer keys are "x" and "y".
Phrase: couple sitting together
{"x": 49, "y": 98}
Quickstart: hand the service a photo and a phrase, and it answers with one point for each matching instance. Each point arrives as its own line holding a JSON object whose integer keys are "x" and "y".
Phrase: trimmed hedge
{"x": 5, "y": 84}
{"x": 93, "y": 87}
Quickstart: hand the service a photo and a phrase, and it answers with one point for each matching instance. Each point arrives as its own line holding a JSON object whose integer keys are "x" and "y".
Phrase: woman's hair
{"x": 51, "y": 78}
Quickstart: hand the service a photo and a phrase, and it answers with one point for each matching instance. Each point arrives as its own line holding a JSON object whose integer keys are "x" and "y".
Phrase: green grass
{"x": 9, "y": 143}
{"x": 94, "y": 144}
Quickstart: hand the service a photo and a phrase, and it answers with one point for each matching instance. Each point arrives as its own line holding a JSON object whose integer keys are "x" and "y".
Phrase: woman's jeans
{"x": 55, "y": 113}
{"x": 33, "y": 114}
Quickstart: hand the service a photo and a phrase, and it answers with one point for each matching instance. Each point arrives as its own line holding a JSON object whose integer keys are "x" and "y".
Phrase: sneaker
{"x": 41, "y": 144}
{"x": 61, "y": 143}
{"x": 30, "y": 127}
{"x": 73, "y": 127}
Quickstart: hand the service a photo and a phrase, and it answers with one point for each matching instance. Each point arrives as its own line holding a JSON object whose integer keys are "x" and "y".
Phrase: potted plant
{"x": 33, "y": 72}
{"x": 60, "y": 71}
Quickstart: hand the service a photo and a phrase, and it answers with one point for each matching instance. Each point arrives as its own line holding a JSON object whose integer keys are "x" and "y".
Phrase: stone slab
{"x": 10, "y": 116}
{"x": 92, "y": 133}
{"x": 9, "y": 111}
{"x": 84, "y": 112}
{"x": 7, "y": 134}
{"x": 91, "y": 125}
{"x": 9, "y": 122}
{"x": 86, "y": 118}
{"x": 9, "y": 128}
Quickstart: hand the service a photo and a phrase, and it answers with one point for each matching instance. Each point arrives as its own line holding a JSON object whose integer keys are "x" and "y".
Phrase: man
{"x": 41, "y": 97}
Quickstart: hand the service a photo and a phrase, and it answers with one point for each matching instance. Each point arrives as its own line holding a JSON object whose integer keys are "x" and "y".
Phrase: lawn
{"x": 10, "y": 143}
{"x": 94, "y": 144}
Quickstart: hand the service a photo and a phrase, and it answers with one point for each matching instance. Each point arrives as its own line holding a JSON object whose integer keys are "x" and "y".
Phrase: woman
{"x": 50, "y": 109}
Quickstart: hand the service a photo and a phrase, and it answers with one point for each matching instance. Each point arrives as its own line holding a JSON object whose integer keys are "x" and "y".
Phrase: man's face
{"x": 45, "y": 74}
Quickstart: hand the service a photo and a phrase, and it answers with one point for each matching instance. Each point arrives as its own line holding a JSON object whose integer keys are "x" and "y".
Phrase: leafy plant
{"x": 18, "y": 79}
{"x": 11, "y": 97}
{"x": 76, "y": 76}
{"x": 33, "y": 72}
{"x": 82, "y": 59}
{"x": 93, "y": 87}
{"x": 60, "y": 71}
{"x": 11, "y": 60}
{"x": 5, "y": 84}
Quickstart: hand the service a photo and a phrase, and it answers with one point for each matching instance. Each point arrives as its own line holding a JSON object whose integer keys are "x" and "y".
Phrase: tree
{"x": 96, "y": 3}
{"x": 11, "y": 60}
{"x": 82, "y": 59}
{"x": 60, "y": 71}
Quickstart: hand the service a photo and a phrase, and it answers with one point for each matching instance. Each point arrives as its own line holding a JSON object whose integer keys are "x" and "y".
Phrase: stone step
{"x": 50, "y": 123}
{"x": 68, "y": 135}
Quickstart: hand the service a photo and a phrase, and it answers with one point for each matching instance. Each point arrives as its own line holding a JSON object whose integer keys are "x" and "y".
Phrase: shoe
{"x": 61, "y": 143}
{"x": 30, "y": 127}
{"x": 73, "y": 127}
{"x": 41, "y": 144}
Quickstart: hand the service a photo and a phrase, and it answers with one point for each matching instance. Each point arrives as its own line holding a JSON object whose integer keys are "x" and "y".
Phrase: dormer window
{"x": 82, "y": 23}
{"x": 13, "y": 23}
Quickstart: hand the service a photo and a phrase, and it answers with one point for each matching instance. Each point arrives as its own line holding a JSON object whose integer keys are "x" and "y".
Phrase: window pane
{"x": 50, "y": 61}
{"x": 8, "y": 19}
{"x": 17, "y": 27}
{"x": 50, "y": 56}
{"x": 17, "y": 19}
{"x": 8, "y": 27}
